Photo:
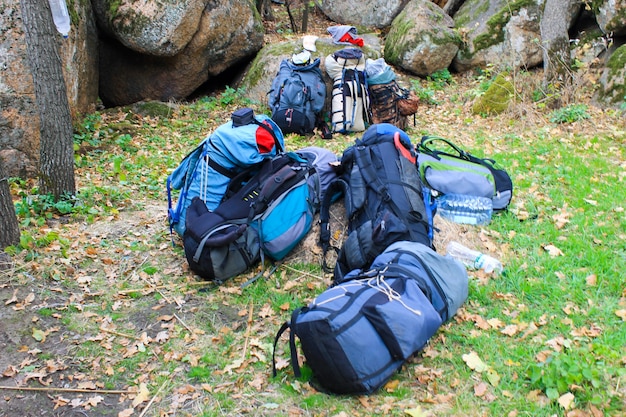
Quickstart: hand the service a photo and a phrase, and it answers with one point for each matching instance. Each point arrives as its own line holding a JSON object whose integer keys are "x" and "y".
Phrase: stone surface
{"x": 375, "y": 13}
{"x": 421, "y": 39}
{"x": 227, "y": 33}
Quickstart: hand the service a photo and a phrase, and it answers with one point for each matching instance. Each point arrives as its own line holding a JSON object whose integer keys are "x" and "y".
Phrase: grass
{"x": 552, "y": 324}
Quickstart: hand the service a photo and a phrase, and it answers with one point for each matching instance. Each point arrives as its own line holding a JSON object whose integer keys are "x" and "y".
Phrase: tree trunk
{"x": 265, "y": 9}
{"x": 10, "y": 230}
{"x": 56, "y": 145}
{"x": 452, "y": 6}
{"x": 555, "y": 22}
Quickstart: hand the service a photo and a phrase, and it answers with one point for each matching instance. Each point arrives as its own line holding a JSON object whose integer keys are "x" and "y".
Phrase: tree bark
{"x": 265, "y": 9}
{"x": 554, "y": 27}
{"x": 452, "y": 6}
{"x": 56, "y": 145}
{"x": 9, "y": 227}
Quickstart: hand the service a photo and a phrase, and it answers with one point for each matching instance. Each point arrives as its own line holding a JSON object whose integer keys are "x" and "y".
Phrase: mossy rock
{"x": 497, "y": 97}
{"x": 613, "y": 79}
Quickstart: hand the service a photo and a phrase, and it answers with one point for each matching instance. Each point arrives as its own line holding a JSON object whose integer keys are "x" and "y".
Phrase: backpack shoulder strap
{"x": 292, "y": 344}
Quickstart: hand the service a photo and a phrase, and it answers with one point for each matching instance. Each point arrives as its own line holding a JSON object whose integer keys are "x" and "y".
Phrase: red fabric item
{"x": 348, "y": 38}
{"x": 264, "y": 139}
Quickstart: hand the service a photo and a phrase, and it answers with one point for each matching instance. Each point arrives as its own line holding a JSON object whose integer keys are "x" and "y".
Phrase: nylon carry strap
{"x": 292, "y": 344}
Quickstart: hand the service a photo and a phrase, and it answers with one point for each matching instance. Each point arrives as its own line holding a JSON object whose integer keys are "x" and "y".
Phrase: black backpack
{"x": 383, "y": 197}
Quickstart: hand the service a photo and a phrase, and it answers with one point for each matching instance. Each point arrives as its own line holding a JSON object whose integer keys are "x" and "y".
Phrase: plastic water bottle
{"x": 468, "y": 209}
{"x": 60, "y": 16}
{"x": 473, "y": 258}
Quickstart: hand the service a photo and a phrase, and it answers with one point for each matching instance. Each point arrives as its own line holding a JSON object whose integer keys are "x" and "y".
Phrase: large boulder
{"x": 19, "y": 116}
{"x": 612, "y": 90}
{"x": 375, "y": 13}
{"x": 611, "y": 16}
{"x": 422, "y": 39}
{"x": 160, "y": 28}
{"x": 227, "y": 33}
{"x": 258, "y": 76}
{"x": 499, "y": 32}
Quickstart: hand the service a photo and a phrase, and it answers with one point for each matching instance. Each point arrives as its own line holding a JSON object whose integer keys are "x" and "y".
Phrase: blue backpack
{"x": 297, "y": 97}
{"x": 205, "y": 172}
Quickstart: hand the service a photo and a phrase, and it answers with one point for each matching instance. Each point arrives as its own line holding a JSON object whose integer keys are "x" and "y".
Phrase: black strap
{"x": 292, "y": 344}
{"x": 282, "y": 330}
{"x": 230, "y": 173}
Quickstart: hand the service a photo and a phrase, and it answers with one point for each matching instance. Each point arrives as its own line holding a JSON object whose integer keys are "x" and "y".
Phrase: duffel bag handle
{"x": 424, "y": 147}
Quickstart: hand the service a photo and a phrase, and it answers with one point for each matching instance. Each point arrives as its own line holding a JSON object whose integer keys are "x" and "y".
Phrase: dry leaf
{"x": 553, "y": 250}
{"x": 126, "y": 413}
{"x": 480, "y": 389}
{"x": 415, "y": 412}
{"x": 93, "y": 401}
{"x": 621, "y": 314}
{"x": 142, "y": 396}
{"x": 474, "y": 362}
{"x": 510, "y": 330}
{"x": 392, "y": 385}
{"x": 13, "y": 299}
{"x": 566, "y": 400}
{"x": 592, "y": 280}
{"x": 39, "y": 335}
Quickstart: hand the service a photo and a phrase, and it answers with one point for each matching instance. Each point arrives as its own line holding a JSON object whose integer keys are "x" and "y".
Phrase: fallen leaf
{"x": 87, "y": 385}
{"x": 162, "y": 336}
{"x": 93, "y": 401}
{"x": 592, "y": 280}
{"x": 553, "y": 250}
{"x": 480, "y": 389}
{"x": 126, "y": 413}
{"x": 621, "y": 314}
{"x": 510, "y": 330}
{"x": 415, "y": 412}
{"x": 60, "y": 402}
{"x": 474, "y": 362}
{"x": 13, "y": 299}
{"x": 142, "y": 395}
{"x": 566, "y": 400}
{"x": 591, "y": 202}
{"x": 39, "y": 335}
{"x": 76, "y": 402}
{"x": 492, "y": 377}
{"x": 392, "y": 385}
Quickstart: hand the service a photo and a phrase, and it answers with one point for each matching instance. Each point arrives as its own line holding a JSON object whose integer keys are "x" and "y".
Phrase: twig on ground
{"x": 245, "y": 346}
{"x": 156, "y": 394}
{"x": 94, "y": 391}
{"x": 183, "y": 323}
